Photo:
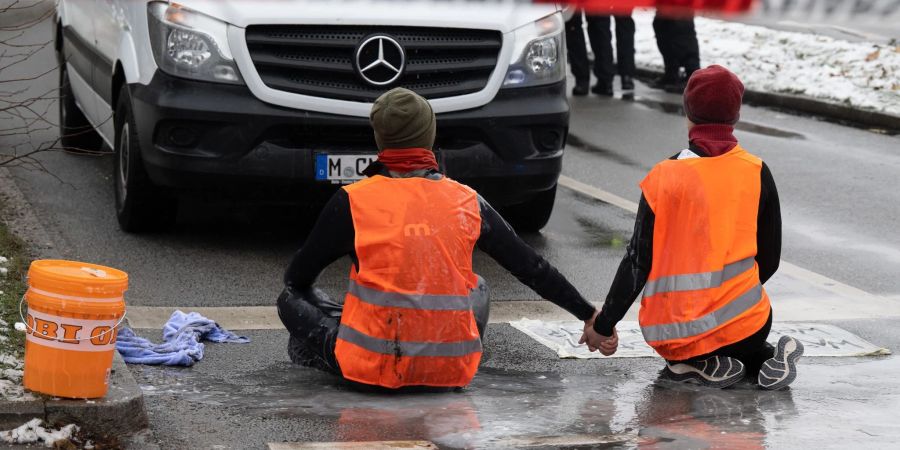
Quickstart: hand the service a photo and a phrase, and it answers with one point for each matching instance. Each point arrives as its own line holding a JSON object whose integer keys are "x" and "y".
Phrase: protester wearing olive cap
{"x": 414, "y": 313}
{"x": 706, "y": 238}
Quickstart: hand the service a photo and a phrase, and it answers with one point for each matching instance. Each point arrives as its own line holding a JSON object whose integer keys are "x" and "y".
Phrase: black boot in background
{"x": 602, "y": 88}
{"x": 581, "y": 89}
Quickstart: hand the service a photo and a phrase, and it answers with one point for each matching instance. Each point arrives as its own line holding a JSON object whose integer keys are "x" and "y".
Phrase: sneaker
{"x": 718, "y": 371}
{"x": 627, "y": 83}
{"x": 780, "y": 371}
{"x": 603, "y": 89}
{"x": 580, "y": 89}
{"x": 661, "y": 82}
{"x": 674, "y": 87}
{"x": 300, "y": 354}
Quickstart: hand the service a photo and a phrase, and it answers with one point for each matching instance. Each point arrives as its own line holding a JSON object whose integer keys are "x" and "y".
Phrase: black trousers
{"x": 677, "y": 42}
{"x": 598, "y": 28}
{"x": 313, "y": 319}
{"x": 753, "y": 350}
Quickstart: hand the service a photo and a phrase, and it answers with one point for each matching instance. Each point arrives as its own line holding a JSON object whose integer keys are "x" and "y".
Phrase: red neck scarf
{"x": 714, "y": 139}
{"x": 405, "y": 160}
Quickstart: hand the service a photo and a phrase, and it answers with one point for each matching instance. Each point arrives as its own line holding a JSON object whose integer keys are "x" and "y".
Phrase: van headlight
{"x": 539, "y": 54}
{"x": 190, "y": 44}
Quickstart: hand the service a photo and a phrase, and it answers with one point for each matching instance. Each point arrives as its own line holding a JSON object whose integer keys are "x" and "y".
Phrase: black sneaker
{"x": 780, "y": 371}
{"x": 718, "y": 371}
{"x": 627, "y": 83}
{"x": 580, "y": 90}
{"x": 301, "y": 355}
{"x": 674, "y": 87}
{"x": 603, "y": 89}
{"x": 661, "y": 82}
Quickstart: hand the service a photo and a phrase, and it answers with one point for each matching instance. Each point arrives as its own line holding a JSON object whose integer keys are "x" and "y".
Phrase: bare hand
{"x": 607, "y": 345}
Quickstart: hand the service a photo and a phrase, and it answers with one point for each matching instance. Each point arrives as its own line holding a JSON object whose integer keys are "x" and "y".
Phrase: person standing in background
{"x": 601, "y": 41}
{"x": 578, "y": 58}
{"x": 676, "y": 39}
{"x": 598, "y": 28}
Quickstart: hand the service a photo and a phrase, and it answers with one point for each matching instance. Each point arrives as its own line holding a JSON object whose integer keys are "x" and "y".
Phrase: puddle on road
{"x": 598, "y": 235}
{"x": 578, "y": 143}
{"x": 829, "y": 404}
{"x": 678, "y": 109}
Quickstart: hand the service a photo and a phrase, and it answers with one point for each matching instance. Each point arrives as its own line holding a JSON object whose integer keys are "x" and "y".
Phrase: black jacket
{"x": 635, "y": 266}
{"x": 333, "y": 235}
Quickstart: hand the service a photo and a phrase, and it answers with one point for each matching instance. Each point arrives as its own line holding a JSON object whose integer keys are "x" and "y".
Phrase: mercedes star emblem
{"x": 380, "y": 60}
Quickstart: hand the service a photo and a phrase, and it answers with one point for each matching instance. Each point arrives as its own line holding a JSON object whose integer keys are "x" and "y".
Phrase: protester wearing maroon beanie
{"x": 712, "y": 103}
{"x": 674, "y": 230}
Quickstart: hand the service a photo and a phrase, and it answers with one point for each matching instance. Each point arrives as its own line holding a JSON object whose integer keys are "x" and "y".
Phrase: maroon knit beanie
{"x": 713, "y": 95}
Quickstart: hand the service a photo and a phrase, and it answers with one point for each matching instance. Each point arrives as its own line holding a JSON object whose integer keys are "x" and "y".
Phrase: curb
{"x": 121, "y": 412}
{"x": 821, "y": 108}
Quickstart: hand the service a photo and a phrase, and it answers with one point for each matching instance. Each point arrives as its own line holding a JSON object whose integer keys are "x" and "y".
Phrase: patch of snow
{"x": 858, "y": 74}
{"x": 33, "y": 433}
{"x": 9, "y": 360}
{"x": 3, "y": 322}
{"x": 3, "y": 270}
{"x": 14, "y": 392}
{"x": 3, "y": 260}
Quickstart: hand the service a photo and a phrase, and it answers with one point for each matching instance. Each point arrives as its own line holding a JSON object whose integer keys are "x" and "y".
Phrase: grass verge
{"x": 12, "y": 287}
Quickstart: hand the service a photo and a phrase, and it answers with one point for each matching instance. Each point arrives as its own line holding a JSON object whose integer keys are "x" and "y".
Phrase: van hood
{"x": 504, "y": 16}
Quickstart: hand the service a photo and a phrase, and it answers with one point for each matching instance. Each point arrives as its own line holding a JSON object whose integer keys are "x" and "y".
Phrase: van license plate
{"x": 341, "y": 168}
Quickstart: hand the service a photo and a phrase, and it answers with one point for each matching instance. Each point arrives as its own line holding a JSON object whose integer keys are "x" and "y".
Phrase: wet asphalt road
{"x": 839, "y": 194}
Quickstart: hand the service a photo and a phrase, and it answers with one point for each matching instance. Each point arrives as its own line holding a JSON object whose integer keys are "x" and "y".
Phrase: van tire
{"x": 532, "y": 215}
{"x": 76, "y": 134}
{"x": 140, "y": 205}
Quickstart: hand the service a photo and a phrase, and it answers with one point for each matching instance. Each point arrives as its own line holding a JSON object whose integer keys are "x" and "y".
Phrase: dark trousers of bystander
{"x": 313, "y": 319}
{"x": 600, "y": 34}
{"x": 753, "y": 350}
{"x": 676, "y": 39}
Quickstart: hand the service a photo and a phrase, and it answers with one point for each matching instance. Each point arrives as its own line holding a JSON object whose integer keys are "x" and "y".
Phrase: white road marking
{"x": 597, "y": 193}
{"x": 371, "y": 445}
{"x": 800, "y": 294}
{"x": 266, "y": 317}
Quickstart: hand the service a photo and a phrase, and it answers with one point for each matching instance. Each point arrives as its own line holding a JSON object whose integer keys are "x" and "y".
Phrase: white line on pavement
{"x": 368, "y": 445}
{"x": 266, "y": 317}
{"x": 597, "y": 193}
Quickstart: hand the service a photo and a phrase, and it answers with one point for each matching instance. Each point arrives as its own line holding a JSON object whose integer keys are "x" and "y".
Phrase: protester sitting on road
{"x": 415, "y": 313}
{"x": 706, "y": 237}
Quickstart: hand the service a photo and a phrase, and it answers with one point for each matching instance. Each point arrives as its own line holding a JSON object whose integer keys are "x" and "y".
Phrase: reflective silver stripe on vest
{"x": 712, "y": 320}
{"x": 406, "y": 348}
{"x": 696, "y": 281}
{"x": 413, "y": 301}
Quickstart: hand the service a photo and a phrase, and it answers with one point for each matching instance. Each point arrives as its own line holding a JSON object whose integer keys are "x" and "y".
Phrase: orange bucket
{"x": 74, "y": 310}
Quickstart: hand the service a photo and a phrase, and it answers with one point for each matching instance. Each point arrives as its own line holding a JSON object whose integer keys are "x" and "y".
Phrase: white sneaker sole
{"x": 727, "y": 371}
{"x": 780, "y": 371}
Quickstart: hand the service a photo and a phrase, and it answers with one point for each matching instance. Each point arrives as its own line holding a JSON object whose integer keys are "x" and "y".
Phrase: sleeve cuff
{"x": 603, "y": 325}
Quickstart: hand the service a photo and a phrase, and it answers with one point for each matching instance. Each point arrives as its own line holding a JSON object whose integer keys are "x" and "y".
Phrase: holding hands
{"x": 595, "y": 341}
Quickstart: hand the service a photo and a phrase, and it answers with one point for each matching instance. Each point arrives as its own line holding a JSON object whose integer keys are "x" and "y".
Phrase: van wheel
{"x": 532, "y": 215}
{"x": 76, "y": 134}
{"x": 140, "y": 205}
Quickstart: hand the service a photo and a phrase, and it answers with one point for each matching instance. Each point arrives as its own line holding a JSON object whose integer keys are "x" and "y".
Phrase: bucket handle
{"x": 32, "y": 330}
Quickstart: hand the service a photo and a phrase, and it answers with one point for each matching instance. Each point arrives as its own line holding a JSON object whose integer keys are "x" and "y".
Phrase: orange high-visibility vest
{"x": 703, "y": 291}
{"x": 408, "y": 316}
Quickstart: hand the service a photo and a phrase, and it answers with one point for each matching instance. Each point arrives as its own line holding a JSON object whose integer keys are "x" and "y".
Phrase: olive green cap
{"x": 402, "y": 119}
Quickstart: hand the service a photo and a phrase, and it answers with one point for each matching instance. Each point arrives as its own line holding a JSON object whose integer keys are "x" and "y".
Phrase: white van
{"x": 243, "y": 93}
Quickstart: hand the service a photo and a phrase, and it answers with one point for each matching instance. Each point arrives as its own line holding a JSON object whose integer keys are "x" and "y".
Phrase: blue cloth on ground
{"x": 181, "y": 344}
